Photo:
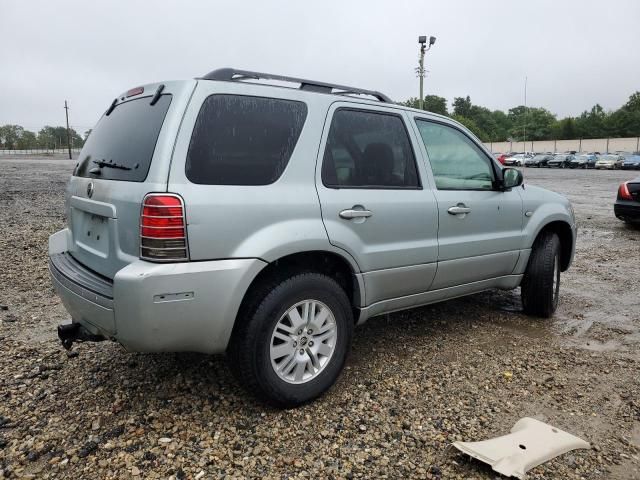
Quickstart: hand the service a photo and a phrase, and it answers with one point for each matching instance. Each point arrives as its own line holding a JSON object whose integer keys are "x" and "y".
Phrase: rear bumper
{"x": 189, "y": 306}
{"x": 625, "y": 210}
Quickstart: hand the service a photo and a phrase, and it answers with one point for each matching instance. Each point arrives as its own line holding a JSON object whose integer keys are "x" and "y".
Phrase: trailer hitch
{"x": 74, "y": 332}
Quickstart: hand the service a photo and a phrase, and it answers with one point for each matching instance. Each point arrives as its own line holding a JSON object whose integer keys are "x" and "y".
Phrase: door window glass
{"x": 368, "y": 150}
{"x": 456, "y": 161}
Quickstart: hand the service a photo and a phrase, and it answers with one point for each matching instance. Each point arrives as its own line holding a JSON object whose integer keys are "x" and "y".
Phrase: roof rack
{"x": 232, "y": 74}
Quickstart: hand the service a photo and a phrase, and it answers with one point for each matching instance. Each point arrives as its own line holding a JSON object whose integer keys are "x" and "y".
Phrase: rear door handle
{"x": 459, "y": 209}
{"x": 350, "y": 214}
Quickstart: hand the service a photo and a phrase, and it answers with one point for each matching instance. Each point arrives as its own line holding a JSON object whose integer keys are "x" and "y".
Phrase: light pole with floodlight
{"x": 422, "y": 40}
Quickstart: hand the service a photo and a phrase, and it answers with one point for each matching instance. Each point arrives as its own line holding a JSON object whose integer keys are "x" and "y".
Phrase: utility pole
{"x": 524, "y": 126}
{"x": 422, "y": 40}
{"x": 66, "y": 112}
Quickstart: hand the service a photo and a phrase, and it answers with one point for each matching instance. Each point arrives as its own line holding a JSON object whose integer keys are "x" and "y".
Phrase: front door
{"x": 373, "y": 203}
{"x": 480, "y": 227}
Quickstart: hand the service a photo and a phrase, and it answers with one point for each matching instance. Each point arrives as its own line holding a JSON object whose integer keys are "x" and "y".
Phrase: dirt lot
{"x": 466, "y": 369}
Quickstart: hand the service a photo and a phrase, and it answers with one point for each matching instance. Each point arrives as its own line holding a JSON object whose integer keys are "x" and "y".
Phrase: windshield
{"x": 539, "y": 157}
{"x": 608, "y": 157}
{"x": 121, "y": 145}
{"x": 559, "y": 157}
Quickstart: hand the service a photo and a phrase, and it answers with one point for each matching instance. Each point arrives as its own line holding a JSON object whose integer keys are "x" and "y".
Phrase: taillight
{"x": 623, "y": 192}
{"x": 163, "y": 228}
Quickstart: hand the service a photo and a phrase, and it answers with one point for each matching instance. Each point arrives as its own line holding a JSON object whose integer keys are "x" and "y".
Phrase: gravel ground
{"x": 466, "y": 369}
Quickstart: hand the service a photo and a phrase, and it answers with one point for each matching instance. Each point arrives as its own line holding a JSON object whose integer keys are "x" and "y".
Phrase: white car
{"x": 517, "y": 160}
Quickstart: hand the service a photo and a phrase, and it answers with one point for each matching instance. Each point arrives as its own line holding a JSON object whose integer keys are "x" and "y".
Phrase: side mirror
{"x": 511, "y": 177}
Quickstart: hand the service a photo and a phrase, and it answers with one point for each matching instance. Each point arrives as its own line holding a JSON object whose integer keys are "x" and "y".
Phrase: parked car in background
{"x": 584, "y": 161}
{"x": 538, "y": 161}
{"x": 500, "y": 157}
{"x": 631, "y": 163}
{"x": 627, "y": 206}
{"x": 610, "y": 162}
{"x": 561, "y": 160}
{"x": 150, "y": 258}
{"x": 516, "y": 160}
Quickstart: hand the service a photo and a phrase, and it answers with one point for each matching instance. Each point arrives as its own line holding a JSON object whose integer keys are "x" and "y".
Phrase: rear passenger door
{"x": 480, "y": 226}
{"x": 373, "y": 202}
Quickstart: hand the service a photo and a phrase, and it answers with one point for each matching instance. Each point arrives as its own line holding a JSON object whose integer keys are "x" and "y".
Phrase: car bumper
{"x": 606, "y": 167}
{"x": 150, "y": 307}
{"x": 631, "y": 167}
{"x": 627, "y": 210}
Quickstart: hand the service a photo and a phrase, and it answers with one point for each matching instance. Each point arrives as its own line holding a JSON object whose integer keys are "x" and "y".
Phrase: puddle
{"x": 597, "y": 346}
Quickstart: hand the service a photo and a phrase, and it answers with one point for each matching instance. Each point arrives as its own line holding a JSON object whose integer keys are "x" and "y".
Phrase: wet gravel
{"x": 466, "y": 369}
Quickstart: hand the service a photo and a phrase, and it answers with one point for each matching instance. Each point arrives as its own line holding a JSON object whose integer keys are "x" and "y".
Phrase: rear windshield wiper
{"x": 111, "y": 164}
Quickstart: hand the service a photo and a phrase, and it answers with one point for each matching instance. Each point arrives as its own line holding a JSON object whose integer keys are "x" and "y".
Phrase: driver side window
{"x": 457, "y": 163}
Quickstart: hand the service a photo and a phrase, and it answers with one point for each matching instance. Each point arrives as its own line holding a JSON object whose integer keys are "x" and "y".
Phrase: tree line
{"x": 537, "y": 123}
{"x": 15, "y": 137}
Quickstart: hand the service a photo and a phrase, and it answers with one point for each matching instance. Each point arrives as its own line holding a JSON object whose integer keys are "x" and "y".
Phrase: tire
{"x": 262, "y": 330}
{"x": 541, "y": 283}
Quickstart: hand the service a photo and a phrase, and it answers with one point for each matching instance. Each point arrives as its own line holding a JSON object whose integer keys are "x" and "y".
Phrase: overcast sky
{"x": 575, "y": 53}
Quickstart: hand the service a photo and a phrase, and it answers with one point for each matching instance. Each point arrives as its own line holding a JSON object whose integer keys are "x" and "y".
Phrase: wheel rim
{"x": 303, "y": 341}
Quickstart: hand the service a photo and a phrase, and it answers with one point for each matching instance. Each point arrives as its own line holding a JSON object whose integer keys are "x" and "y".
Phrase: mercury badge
{"x": 90, "y": 190}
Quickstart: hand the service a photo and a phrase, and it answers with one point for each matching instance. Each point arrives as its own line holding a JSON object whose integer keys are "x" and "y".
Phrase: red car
{"x": 500, "y": 157}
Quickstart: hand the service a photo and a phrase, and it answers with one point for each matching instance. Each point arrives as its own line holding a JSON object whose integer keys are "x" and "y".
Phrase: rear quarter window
{"x": 125, "y": 138}
{"x": 243, "y": 140}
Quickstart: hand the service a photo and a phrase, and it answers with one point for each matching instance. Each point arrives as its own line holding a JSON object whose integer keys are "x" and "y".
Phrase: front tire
{"x": 290, "y": 347}
{"x": 540, "y": 287}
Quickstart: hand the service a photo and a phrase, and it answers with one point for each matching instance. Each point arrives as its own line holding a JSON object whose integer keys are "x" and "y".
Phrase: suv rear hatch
{"x": 126, "y": 156}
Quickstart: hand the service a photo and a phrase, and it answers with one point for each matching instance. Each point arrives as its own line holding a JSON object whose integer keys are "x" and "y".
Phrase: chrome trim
{"x": 184, "y": 229}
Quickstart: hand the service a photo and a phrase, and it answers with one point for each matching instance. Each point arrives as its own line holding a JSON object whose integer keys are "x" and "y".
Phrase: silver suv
{"x": 223, "y": 214}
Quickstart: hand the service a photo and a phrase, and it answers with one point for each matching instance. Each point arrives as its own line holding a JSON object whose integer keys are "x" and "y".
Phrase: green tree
{"x": 432, "y": 103}
{"x": 56, "y": 137}
{"x": 9, "y": 136}
{"x": 27, "y": 140}
{"x": 565, "y": 129}
{"x": 535, "y": 123}
{"x": 625, "y": 122}
{"x": 462, "y": 106}
{"x": 593, "y": 123}
{"x": 473, "y": 126}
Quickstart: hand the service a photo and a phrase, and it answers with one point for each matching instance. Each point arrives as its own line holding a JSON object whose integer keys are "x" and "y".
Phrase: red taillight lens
{"x": 623, "y": 192}
{"x": 163, "y": 234}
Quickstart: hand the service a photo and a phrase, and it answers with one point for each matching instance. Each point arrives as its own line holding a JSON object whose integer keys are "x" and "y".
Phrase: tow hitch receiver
{"x": 74, "y": 332}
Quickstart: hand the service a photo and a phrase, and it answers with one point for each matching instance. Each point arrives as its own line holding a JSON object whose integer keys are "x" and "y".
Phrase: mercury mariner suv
{"x": 228, "y": 215}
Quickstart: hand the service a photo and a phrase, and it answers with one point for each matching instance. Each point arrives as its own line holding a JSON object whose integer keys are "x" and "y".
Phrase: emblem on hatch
{"x": 90, "y": 190}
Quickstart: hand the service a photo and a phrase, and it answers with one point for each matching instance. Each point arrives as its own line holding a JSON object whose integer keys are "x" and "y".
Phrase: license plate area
{"x": 91, "y": 232}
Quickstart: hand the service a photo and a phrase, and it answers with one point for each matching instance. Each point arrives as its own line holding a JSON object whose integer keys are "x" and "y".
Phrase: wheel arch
{"x": 565, "y": 234}
{"x": 329, "y": 263}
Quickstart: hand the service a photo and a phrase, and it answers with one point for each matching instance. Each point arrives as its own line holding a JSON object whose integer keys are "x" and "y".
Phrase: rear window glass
{"x": 121, "y": 145}
{"x": 242, "y": 140}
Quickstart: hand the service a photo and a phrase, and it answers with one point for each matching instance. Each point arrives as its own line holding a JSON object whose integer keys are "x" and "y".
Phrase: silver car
{"x": 610, "y": 162}
{"x": 224, "y": 215}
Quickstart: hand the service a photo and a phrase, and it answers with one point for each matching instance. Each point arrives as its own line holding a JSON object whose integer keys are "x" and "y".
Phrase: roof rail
{"x": 232, "y": 74}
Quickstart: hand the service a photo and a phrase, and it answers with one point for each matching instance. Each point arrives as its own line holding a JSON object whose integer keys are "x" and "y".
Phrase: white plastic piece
{"x": 530, "y": 443}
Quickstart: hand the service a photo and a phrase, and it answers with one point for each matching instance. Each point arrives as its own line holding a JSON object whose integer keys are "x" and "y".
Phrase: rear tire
{"x": 541, "y": 283}
{"x": 265, "y": 350}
